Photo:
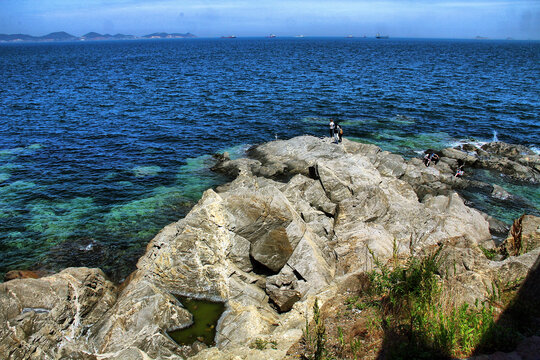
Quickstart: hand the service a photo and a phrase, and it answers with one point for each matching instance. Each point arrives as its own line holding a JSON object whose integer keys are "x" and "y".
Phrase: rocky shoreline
{"x": 299, "y": 220}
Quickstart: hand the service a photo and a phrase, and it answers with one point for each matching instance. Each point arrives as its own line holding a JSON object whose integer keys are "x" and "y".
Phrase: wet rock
{"x": 222, "y": 157}
{"x": 233, "y": 168}
{"x": 23, "y": 274}
{"x": 507, "y": 150}
{"x": 515, "y": 161}
{"x": 499, "y": 193}
{"x": 496, "y": 227}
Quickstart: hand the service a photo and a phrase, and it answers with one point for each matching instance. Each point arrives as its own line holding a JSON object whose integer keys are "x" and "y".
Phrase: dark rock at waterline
{"x": 516, "y": 161}
{"x": 507, "y": 150}
{"x": 499, "y": 193}
{"x": 24, "y": 274}
{"x": 497, "y": 228}
{"x": 81, "y": 250}
{"x": 222, "y": 157}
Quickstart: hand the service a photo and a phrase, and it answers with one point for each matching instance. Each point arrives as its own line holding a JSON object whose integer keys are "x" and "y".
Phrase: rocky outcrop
{"x": 266, "y": 244}
{"x": 49, "y": 318}
{"x": 515, "y": 161}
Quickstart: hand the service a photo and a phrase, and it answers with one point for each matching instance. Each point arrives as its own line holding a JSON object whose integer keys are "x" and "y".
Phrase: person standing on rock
{"x": 339, "y": 132}
{"x": 332, "y": 128}
{"x": 336, "y": 134}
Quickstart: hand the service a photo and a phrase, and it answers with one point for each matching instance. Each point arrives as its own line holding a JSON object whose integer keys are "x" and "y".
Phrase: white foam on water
{"x": 87, "y": 247}
{"x": 477, "y": 143}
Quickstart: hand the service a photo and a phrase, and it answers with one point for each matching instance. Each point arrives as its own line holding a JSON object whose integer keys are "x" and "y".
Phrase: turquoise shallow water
{"x": 102, "y": 144}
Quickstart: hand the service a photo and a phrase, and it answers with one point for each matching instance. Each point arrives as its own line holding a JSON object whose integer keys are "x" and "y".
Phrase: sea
{"x": 104, "y": 143}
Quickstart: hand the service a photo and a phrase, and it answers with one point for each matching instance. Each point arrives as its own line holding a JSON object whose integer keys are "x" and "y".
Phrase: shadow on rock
{"x": 521, "y": 323}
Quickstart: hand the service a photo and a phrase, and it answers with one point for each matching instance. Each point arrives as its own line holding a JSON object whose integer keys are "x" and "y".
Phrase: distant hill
{"x": 91, "y": 36}
{"x": 58, "y": 36}
{"x": 16, "y": 37}
{"x": 96, "y": 36}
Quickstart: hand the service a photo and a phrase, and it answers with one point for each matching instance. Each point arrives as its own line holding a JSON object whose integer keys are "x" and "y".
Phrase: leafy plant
{"x": 356, "y": 346}
{"x": 261, "y": 344}
{"x": 489, "y": 253}
{"x": 315, "y": 343}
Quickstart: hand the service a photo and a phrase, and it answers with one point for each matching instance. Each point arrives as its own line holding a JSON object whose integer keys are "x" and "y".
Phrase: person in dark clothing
{"x": 339, "y": 130}
{"x": 431, "y": 157}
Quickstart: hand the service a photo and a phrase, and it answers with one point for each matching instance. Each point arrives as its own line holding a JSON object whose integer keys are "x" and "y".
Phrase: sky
{"x": 497, "y": 19}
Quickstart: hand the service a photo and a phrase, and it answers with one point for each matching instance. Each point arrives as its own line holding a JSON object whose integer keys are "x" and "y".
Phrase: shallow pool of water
{"x": 206, "y": 315}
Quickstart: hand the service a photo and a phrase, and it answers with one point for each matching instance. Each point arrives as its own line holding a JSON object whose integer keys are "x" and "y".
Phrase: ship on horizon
{"x": 229, "y": 37}
{"x": 379, "y": 36}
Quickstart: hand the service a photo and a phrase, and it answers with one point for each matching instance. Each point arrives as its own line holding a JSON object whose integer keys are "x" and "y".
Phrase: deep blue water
{"x": 102, "y": 144}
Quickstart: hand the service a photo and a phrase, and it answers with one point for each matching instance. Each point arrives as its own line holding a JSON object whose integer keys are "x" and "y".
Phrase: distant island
{"x": 91, "y": 36}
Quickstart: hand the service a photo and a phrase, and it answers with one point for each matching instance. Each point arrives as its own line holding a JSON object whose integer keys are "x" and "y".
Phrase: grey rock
{"x": 44, "y": 317}
{"x": 499, "y": 193}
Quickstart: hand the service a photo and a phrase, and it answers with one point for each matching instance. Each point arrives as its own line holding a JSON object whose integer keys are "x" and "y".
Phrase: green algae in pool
{"x": 206, "y": 314}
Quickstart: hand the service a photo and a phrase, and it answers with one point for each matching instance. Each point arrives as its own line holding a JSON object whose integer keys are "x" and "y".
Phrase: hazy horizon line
{"x": 345, "y": 35}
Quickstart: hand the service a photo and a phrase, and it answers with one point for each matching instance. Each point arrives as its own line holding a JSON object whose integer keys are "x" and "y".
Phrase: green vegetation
{"x": 418, "y": 321}
{"x": 489, "y": 253}
{"x": 315, "y": 342}
{"x": 403, "y": 313}
{"x": 261, "y": 344}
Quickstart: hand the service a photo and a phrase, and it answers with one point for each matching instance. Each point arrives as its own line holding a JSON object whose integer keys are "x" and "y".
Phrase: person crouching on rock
{"x": 431, "y": 157}
{"x": 459, "y": 171}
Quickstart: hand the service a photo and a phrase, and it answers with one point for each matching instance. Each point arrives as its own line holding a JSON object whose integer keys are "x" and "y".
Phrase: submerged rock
{"x": 499, "y": 193}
